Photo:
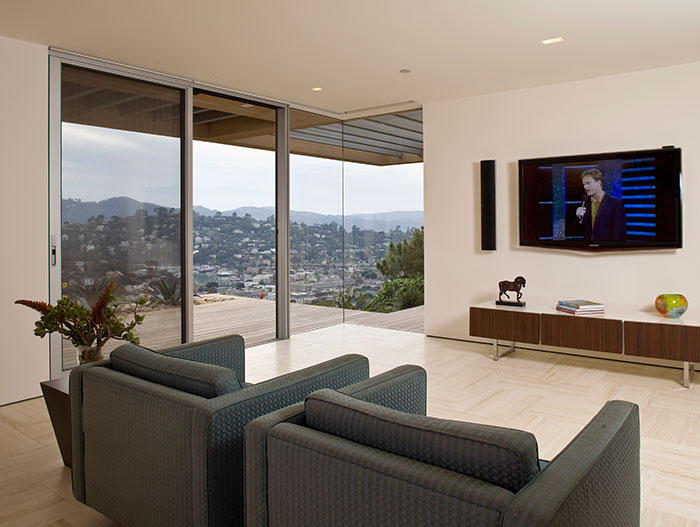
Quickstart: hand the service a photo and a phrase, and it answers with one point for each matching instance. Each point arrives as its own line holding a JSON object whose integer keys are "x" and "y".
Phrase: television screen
{"x": 617, "y": 200}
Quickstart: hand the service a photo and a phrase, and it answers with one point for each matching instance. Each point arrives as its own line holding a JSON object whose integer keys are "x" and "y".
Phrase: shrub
{"x": 397, "y": 294}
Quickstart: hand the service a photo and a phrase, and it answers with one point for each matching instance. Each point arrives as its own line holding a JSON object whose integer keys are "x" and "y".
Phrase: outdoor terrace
{"x": 254, "y": 319}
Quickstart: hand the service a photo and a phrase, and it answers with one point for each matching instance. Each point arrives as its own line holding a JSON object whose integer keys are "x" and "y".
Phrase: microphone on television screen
{"x": 581, "y": 211}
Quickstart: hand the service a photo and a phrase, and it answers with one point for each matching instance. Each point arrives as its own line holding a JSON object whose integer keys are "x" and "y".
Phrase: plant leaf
{"x": 41, "y": 307}
{"x": 98, "y": 310}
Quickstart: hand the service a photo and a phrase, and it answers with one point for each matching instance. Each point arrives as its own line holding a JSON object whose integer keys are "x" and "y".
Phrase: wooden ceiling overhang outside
{"x": 92, "y": 98}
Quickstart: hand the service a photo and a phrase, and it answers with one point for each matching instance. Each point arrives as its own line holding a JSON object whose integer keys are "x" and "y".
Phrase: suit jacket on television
{"x": 610, "y": 221}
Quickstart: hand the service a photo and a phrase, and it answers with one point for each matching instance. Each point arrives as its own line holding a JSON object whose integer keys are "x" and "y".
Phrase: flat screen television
{"x": 618, "y": 200}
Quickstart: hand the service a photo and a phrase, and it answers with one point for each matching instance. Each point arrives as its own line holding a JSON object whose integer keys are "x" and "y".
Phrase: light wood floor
{"x": 551, "y": 395}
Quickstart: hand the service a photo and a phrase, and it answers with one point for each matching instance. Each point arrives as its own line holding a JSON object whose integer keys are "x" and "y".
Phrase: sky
{"x": 99, "y": 163}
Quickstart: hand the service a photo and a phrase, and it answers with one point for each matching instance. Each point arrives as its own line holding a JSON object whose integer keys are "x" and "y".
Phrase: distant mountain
{"x": 199, "y": 209}
{"x": 75, "y": 211}
{"x": 379, "y": 221}
{"x": 386, "y": 221}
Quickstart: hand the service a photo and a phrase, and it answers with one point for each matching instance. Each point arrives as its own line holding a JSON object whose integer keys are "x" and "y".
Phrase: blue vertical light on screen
{"x": 639, "y": 192}
{"x": 558, "y": 202}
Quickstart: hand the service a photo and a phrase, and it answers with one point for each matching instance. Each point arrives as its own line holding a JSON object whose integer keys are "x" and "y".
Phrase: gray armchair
{"x": 158, "y": 437}
{"x": 403, "y": 389}
{"x": 341, "y": 461}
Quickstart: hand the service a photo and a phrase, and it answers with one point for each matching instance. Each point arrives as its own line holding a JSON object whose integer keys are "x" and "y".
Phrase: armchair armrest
{"x": 134, "y": 435}
{"x": 403, "y": 388}
{"x": 75, "y": 382}
{"x": 219, "y": 423}
{"x": 228, "y": 351}
{"x": 593, "y": 481}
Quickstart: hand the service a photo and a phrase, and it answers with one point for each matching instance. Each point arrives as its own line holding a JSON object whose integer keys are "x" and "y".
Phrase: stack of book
{"x": 581, "y": 307}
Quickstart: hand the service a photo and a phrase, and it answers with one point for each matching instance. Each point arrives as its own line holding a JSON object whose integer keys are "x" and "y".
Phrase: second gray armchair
{"x": 341, "y": 461}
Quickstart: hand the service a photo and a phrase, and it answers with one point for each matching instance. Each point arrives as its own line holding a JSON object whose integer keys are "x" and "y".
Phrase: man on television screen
{"x": 602, "y": 216}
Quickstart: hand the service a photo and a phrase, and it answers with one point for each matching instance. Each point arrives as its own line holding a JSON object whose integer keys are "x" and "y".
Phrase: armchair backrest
{"x": 501, "y": 456}
{"x": 198, "y": 378}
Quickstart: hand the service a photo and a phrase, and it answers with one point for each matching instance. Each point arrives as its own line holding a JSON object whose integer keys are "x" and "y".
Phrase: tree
{"x": 404, "y": 259}
{"x": 390, "y": 265}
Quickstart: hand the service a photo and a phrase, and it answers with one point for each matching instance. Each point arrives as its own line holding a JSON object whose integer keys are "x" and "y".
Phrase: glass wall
{"x": 384, "y": 245}
{"x": 234, "y": 218}
{"x": 123, "y": 177}
{"x": 357, "y": 221}
{"x": 316, "y": 221}
{"x": 384, "y": 283}
{"x": 121, "y": 148}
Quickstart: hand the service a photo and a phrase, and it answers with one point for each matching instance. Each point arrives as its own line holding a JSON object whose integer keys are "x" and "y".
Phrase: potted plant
{"x": 88, "y": 328}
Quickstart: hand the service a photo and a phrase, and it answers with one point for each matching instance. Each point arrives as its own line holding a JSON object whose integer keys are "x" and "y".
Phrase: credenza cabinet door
{"x": 571, "y": 331}
{"x": 504, "y": 325}
{"x": 662, "y": 341}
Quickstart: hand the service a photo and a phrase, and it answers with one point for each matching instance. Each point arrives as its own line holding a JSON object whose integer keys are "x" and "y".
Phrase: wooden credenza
{"x": 631, "y": 334}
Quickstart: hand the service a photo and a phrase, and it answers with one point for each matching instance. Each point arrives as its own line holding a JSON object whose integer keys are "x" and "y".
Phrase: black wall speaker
{"x": 488, "y": 205}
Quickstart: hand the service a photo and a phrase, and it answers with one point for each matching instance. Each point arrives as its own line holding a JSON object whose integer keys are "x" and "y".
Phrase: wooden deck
{"x": 255, "y": 320}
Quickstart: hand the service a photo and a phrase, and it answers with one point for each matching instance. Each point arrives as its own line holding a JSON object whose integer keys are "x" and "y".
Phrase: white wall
{"x": 632, "y": 111}
{"x": 24, "y": 358}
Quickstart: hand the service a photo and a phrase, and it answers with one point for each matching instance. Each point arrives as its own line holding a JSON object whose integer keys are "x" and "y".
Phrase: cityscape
{"x": 234, "y": 254}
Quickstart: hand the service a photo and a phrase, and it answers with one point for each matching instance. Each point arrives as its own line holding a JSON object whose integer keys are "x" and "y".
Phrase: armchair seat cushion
{"x": 197, "y": 378}
{"x": 500, "y": 456}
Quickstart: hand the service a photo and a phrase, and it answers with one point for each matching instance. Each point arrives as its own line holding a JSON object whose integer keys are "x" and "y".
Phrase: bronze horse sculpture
{"x": 504, "y": 286}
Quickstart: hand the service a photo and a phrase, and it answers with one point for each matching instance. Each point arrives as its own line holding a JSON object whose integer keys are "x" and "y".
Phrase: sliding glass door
{"x": 234, "y": 241}
{"x": 172, "y": 190}
{"x": 121, "y": 173}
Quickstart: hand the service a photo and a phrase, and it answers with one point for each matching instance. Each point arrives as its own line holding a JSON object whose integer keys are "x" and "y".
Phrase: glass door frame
{"x": 56, "y": 60}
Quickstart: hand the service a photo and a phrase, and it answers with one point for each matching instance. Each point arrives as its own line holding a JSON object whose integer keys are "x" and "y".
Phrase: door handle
{"x": 53, "y": 250}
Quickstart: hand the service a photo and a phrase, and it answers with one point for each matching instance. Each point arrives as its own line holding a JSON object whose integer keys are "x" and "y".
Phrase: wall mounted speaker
{"x": 488, "y": 205}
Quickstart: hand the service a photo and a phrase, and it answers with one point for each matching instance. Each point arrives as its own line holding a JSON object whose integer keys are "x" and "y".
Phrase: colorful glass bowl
{"x": 671, "y": 305}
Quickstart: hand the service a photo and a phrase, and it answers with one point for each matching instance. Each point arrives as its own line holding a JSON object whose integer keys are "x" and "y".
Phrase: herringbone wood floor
{"x": 552, "y": 395}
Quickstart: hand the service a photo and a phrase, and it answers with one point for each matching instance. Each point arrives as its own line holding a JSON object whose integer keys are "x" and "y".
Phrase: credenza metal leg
{"x": 688, "y": 373}
{"x": 497, "y": 355}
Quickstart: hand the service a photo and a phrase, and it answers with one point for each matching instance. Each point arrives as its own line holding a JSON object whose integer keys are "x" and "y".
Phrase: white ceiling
{"x": 354, "y": 49}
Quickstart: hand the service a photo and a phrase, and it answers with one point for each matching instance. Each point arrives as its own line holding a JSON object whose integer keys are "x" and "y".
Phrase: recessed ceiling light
{"x": 553, "y": 40}
{"x": 317, "y": 88}
{"x": 405, "y": 70}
